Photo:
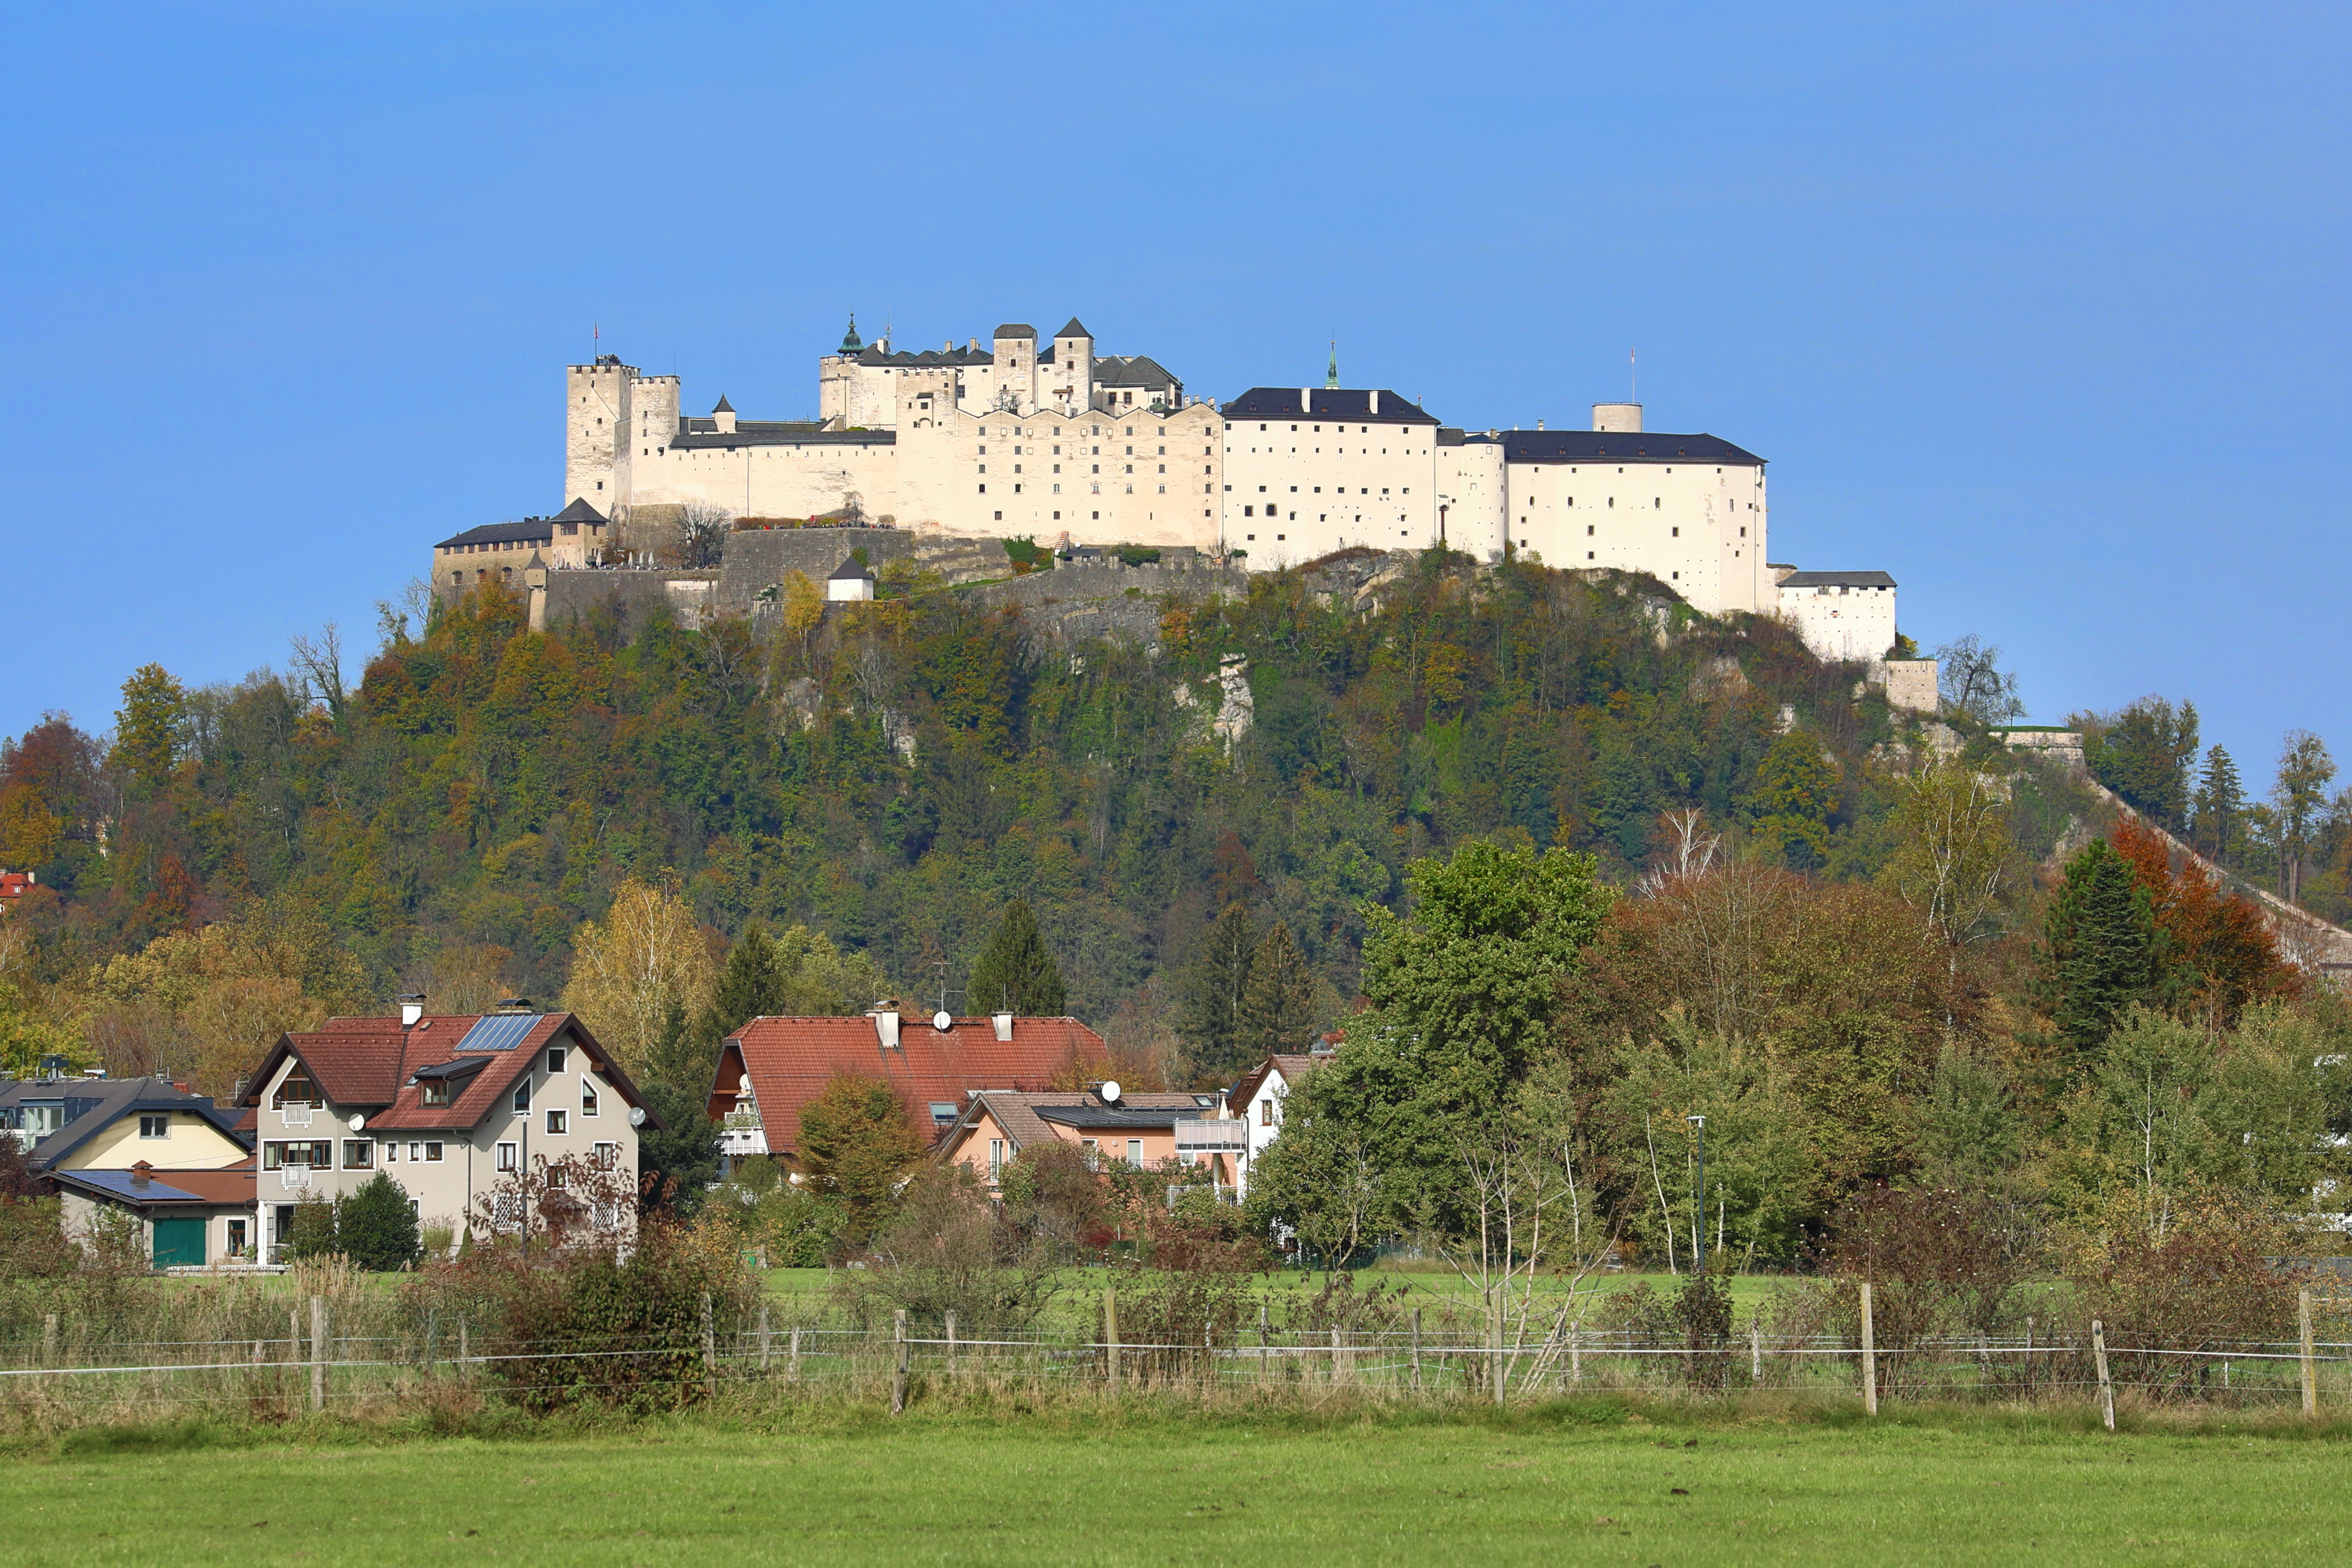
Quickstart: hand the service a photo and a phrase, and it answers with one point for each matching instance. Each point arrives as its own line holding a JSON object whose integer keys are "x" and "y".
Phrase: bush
{"x": 947, "y": 1249}
{"x": 375, "y": 1227}
{"x": 312, "y": 1232}
{"x": 2205, "y": 1282}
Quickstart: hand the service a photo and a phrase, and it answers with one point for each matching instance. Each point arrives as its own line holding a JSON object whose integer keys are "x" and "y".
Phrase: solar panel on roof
{"x": 499, "y": 1032}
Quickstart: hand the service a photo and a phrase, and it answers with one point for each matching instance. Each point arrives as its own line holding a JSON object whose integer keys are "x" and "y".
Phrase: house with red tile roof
{"x": 447, "y": 1106}
{"x": 772, "y": 1067}
{"x": 14, "y": 885}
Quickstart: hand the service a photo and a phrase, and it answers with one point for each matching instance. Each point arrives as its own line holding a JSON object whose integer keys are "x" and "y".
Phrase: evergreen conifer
{"x": 1015, "y": 971}
{"x": 375, "y": 1227}
{"x": 2220, "y": 808}
{"x": 1277, "y": 1014}
{"x": 2100, "y": 956}
{"x": 1216, "y": 985}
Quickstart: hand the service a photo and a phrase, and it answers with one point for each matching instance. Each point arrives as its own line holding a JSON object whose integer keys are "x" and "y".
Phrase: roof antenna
{"x": 1632, "y": 381}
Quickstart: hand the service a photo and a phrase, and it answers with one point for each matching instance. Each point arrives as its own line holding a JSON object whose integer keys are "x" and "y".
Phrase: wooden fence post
{"x": 899, "y": 1380}
{"x": 1756, "y": 1351}
{"x": 1576, "y": 1350}
{"x": 1110, "y": 1337}
{"x": 710, "y": 1350}
{"x": 2107, "y": 1384}
{"x": 1495, "y": 1353}
{"x": 794, "y": 1369}
{"x": 1869, "y": 1356}
{"x": 767, "y": 1338}
{"x": 951, "y": 1344}
{"x": 1265, "y": 1340}
{"x": 465, "y": 1351}
{"x": 2310, "y": 1365}
{"x": 317, "y": 1354}
{"x": 1337, "y": 1375}
{"x": 49, "y": 1340}
{"x": 1416, "y": 1350}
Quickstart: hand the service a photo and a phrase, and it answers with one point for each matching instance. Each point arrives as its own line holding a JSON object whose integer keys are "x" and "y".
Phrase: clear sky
{"x": 2040, "y": 308}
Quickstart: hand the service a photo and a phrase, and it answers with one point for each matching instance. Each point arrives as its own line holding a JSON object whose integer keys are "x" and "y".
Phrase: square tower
{"x": 598, "y": 430}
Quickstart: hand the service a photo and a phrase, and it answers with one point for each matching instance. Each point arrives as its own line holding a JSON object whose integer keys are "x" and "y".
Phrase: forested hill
{"x": 891, "y": 773}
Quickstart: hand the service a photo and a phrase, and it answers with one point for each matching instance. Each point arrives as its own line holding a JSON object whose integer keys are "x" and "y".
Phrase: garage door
{"x": 179, "y": 1244}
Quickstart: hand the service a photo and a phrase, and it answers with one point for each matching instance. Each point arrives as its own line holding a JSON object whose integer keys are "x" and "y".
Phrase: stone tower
{"x": 1073, "y": 381}
{"x": 1016, "y": 365}
{"x": 598, "y": 432}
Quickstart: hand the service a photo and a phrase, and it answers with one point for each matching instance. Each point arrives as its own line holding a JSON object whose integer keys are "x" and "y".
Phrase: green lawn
{"x": 1554, "y": 1487}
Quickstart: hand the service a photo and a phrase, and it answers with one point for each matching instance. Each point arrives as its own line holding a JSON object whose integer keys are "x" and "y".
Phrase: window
{"x": 433, "y": 1092}
{"x": 432, "y": 1153}
{"x": 607, "y": 1157}
{"x": 556, "y": 1054}
{"x": 558, "y": 1123}
{"x": 295, "y": 1089}
{"x": 359, "y": 1155}
{"x": 1135, "y": 1153}
{"x": 1265, "y": 1113}
{"x": 507, "y": 1156}
{"x": 588, "y": 1097}
{"x": 522, "y": 1098}
{"x": 1675, "y": 533}
{"x": 392, "y": 1153}
{"x": 276, "y": 1156}
{"x": 554, "y": 1178}
{"x": 155, "y": 1124}
{"x": 996, "y": 1158}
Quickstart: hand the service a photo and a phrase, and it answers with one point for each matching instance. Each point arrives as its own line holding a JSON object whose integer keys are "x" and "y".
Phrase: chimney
{"x": 1307, "y": 399}
{"x": 1376, "y": 400}
{"x": 141, "y": 1173}
{"x": 411, "y": 1008}
{"x": 1539, "y": 424}
{"x": 884, "y": 1015}
{"x": 1003, "y": 1022}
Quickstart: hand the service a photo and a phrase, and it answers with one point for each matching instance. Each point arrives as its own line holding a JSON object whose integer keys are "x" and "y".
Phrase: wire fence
{"x": 60, "y": 1377}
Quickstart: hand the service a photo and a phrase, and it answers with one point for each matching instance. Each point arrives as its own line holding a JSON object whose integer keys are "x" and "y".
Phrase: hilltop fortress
{"x": 1048, "y": 440}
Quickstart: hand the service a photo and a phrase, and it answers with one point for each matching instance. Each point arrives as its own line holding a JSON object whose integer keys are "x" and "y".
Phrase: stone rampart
{"x": 626, "y": 593}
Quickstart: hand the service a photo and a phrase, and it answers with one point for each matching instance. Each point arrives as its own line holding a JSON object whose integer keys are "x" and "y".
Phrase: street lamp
{"x": 1700, "y": 1122}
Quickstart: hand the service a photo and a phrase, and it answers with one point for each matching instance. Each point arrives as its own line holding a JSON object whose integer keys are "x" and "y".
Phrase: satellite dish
{"x": 357, "y": 1121}
{"x": 943, "y": 1020}
{"x": 1110, "y": 1090}
{"x": 636, "y": 1116}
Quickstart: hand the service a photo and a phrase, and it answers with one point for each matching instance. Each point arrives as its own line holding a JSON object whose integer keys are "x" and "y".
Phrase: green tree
{"x": 855, "y": 1141}
{"x": 375, "y": 1227}
{"x": 2298, "y": 802}
{"x": 2144, "y": 756}
{"x": 2098, "y": 955}
{"x": 1794, "y": 796}
{"x": 150, "y": 727}
{"x": 1277, "y": 1012}
{"x": 1462, "y": 994}
{"x": 311, "y": 1233}
{"x": 1015, "y": 971}
{"x": 2221, "y": 808}
{"x": 1215, "y": 985}
{"x": 678, "y": 1160}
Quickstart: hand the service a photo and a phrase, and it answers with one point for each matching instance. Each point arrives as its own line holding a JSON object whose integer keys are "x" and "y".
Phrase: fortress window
{"x": 1654, "y": 502}
{"x": 1588, "y": 531}
{"x": 1743, "y": 533}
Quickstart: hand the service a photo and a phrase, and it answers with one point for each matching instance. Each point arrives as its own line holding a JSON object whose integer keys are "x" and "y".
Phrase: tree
{"x": 856, "y": 1140}
{"x": 627, "y": 968}
{"x": 1793, "y": 798}
{"x": 1215, "y": 986}
{"x": 2298, "y": 798}
{"x": 1014, "y": 971}
{"x": 679, "y": 1159}
{"x": 150, "y": 729}
{"x": 698, "y": 539}
{"x": 319, "y": 670}
{"x": 2145, "y": 755}
{"x": 375, "y": 1227}
{"x": 1971, "y": 684}
{"x": 2098, "y": 957}
{"x": 311, "y": 1233}
{"x": 1953, "y": 854}
{"x": 2215, "y": 953}
{"x": 1277, "y": 1014}
{"x": 2221, "y": 804}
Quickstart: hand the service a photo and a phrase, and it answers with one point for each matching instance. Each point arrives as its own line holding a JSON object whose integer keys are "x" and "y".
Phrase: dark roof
{"x": 94, "y": 1104}
{"x": 698, "y": 435}
{"x": 1015, "y": 330}
{"x": 1837, "y": 580}
{"x": 1292, "y": 1068}
{"x": 230, "y": 1185}
{"x": 1022, "y": 1115}
{"x": 1327, "y": 402}
{"x": 851, "y": 569}
{"x": 1131, "y": 370}
{"x": 722, "y": 405}
{"x": 1076, "y": 329}
{"x": 579, "y": 511}
{"x": 530, "y": 531}
{"x": 950, "y": 356}
{"x": 1619, "y": 446}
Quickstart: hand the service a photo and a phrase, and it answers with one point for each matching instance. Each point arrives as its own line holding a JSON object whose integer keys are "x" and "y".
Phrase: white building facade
{"x": 1840, "y": 614}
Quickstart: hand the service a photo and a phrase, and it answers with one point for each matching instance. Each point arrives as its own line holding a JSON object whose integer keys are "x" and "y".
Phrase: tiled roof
{"x": 230, "y": 1185}
{"x": 1292, "y": 1068}
{"x": 94, "y": 1104}
{"x": 1131, "y": 370}
{"x": 530, "y": 531}
{"x": 1076, "y": 329}
{"x": 369, "y": 1064}
{"x": 791, "y": 1059}
{"x": 1326, "y": 403}
{"x": 1018, "y": 1114}
{"x": 579, "y": 511}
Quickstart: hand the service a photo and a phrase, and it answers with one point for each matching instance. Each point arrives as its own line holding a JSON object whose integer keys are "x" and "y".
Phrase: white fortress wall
{"x": 1309, "y": 470}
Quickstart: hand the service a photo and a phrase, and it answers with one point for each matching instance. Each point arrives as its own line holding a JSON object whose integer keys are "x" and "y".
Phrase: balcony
{"x": 1207, "y": 1137}
{"x": 293, "y": 1177}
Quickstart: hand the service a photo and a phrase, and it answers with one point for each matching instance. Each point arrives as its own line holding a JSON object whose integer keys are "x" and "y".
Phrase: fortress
{"x": 1051, "y": 441}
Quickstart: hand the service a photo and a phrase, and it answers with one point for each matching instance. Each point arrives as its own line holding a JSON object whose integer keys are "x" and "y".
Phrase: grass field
{"x": 1596, "y": 1483}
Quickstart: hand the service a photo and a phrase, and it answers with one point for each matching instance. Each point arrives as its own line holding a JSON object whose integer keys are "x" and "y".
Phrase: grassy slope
{"x": 1556, "y": 1486}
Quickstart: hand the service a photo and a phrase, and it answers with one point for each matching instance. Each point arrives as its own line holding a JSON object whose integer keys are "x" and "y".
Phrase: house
{"x": 14, "y": 885}
{"x": 772, "y": 1067}
{"x": 1256, "y": 1101}
{"x": 1145, "y": 1130}
{"x": 145, "y": 1146}
{"x": 447, "y": 1106}
{"x": 850, "y": 582}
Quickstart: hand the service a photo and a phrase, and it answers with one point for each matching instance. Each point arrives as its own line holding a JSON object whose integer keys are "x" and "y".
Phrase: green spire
{"x": 850, "y": 340}
{"x": 1331, "y": 376}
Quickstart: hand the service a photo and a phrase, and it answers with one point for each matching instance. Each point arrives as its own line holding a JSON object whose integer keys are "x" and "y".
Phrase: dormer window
{"x": 295, "y": 1089}
{"x": 434, "y": 1091}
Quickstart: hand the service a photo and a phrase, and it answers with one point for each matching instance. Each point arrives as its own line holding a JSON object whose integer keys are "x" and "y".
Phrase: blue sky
{"x": 2038, "y": 308}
